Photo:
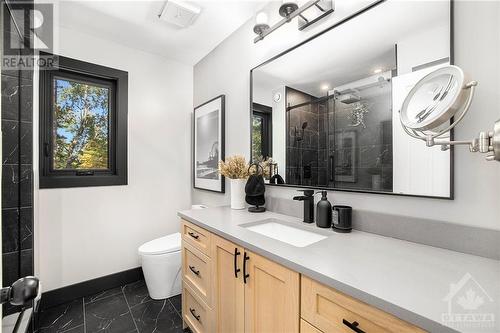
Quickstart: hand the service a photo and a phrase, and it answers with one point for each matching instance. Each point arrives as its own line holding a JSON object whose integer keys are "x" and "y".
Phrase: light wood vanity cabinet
{"x": 237, "y": 290}
{"x": 271, "y": 296}
{"x": 229, "y": 289}
{"x": 331, "y": 311}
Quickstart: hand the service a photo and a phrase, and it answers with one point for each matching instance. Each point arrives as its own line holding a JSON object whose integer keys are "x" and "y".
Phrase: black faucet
{"x": 308, "y": 199}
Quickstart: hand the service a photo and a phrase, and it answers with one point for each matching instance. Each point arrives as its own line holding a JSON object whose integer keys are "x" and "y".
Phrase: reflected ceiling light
{"x": 289, "y": 10}
{"x": 377, "y": 71}
{"x": 325, "y": 87}
{"x": 437, "y": 103}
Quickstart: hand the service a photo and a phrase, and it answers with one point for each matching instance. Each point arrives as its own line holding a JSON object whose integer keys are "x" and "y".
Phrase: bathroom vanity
{"x": 269, "y": 272}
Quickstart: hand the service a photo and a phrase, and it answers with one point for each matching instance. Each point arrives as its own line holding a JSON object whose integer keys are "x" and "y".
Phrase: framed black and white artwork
{"x": 208, "y": 145}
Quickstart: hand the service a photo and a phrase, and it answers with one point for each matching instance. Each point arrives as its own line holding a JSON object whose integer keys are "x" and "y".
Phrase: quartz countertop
{"x": 409, "y": 280}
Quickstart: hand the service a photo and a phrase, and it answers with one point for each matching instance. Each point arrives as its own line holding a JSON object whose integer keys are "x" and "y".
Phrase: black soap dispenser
{"x": 324, "y": 212}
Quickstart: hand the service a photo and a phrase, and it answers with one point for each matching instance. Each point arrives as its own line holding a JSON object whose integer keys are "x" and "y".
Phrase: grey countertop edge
{"x": 406, "y": 315}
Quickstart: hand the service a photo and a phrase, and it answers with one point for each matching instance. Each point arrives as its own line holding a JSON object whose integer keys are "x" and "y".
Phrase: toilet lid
{"x": 167, "y": 244}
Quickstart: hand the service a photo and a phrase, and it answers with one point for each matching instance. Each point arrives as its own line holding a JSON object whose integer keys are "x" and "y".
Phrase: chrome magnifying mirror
{"x": 437, "y": 103}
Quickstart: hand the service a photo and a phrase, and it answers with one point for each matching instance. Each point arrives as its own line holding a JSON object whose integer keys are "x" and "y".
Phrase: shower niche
{"x": 327, "y": 111}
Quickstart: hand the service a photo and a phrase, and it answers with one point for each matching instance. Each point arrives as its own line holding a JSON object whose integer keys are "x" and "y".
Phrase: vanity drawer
{"x": 196, "y": 271}
{"x": 197, "y": 237}
{"x": 332, "y": 311}
{"x": 305, "y": 327}
{"x": 196, "y": 314}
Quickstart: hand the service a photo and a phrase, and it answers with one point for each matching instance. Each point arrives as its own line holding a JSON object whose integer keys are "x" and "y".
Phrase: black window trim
{"x": 117, "y": 80}
{"x": 266, "y": 113}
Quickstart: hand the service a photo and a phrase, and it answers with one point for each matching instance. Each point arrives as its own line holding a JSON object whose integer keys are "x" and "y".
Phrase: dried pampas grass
{"x": 235, "y": 167}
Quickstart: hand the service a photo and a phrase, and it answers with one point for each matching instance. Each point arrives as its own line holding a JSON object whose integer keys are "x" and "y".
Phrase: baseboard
{"x": 87, "y": 288}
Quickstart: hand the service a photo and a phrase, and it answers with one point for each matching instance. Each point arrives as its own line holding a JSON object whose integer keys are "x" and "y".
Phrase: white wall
{"x": 429, "y": 171}
{"x": 86, "y": 233}
{"x": 477, "y": 49}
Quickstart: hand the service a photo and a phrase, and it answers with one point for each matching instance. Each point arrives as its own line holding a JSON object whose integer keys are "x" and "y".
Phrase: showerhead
{"x": 349, "y": 98}
{"x": 304, "y": 125}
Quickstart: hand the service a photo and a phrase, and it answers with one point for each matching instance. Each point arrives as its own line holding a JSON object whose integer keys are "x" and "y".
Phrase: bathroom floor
{"x": 120, "y": 310}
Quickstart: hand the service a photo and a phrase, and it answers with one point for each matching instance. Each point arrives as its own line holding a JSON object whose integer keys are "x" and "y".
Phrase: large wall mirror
{"x": 327, "y": 111}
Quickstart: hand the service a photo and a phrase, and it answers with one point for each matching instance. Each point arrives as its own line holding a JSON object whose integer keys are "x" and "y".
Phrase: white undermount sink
{"x": 274, "y": 228}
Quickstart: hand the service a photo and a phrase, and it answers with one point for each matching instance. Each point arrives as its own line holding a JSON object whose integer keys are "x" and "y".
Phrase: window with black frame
{"x": 261, "y": 131}
{"x": 83, "y": 125}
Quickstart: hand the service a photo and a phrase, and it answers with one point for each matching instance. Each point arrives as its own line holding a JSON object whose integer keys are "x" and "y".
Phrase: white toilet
{"x": 161, "y": 265}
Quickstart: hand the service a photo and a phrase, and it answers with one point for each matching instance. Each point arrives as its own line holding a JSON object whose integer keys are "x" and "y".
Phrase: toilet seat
{"x": 162, "y": 245}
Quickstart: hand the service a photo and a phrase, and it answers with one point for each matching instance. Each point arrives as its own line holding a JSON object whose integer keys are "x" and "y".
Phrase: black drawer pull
{"x": 193, "y": 313}
{"x": 353, "y": 326}
{"x": 236, "y": 269}
{"x": 192, "y": 234}
{"x": 245, "y": 275}
{"x": 192, "y": 268}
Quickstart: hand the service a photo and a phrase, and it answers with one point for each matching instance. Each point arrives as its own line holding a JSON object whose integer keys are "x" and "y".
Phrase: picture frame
{"x": 209, "y": 144}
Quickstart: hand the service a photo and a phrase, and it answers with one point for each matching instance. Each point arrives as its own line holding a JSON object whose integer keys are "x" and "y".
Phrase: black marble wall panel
{"x": 333, "y": 150}
{"x": 371, "y": 158}
{"x": 17, "y": 169}
{"x": 303, "y": 139}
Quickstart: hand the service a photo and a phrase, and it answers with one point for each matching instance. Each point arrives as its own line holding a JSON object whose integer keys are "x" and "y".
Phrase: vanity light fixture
{"x": 289, "y": 10}
{"x": 377, "y": 71}
{"x": 261, "y": 24}
{"x": 288, "y": 7}
{"x": 437, "y": 103}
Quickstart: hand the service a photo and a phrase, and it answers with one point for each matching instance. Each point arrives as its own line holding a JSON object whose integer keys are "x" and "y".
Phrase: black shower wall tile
{"x": 26, "y": 101}
{"x": 322, "y": 158}
{"x": 7, "y": 18}
{"x": 26, "y": 185}
{"x": 294, "y": 97}
{"x": 10, "y": 189}
{"x": 10, "y": 98}
{"x": 10, "y": 268}
{"x": 26, "y": 263}
{"x": 310, "y": 157}
{"x": 322, "y": 176}
{"x": 322, "y": 141}
{"x": 10, "y": 186}
{"x": 10, "y": 229}
{"x": 10, "y": 146}
{"x": 293, "y": 119}
{"x": 17, "y": 135}
{"x": 26, "y": 143}
{"x": 9, "y": 309}
{"x": 311, "y": 119}
{"x": 26, "y": 224}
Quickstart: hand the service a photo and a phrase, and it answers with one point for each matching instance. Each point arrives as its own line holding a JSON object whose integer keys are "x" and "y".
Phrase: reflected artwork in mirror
{"x": 327, "y": 110}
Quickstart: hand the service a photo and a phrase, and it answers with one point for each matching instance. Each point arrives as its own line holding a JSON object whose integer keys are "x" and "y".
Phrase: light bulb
{"x": 261, "y": 18}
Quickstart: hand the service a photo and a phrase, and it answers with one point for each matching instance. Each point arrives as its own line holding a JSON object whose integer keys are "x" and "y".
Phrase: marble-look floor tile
{"x": 103, "y": 294}
{"x": 62, "y": 317}
{"x": 110, "y": 315}
{"x": 136, "y": 293}
{"x": 177, "y": 302}
{"x": 157, "y": 316}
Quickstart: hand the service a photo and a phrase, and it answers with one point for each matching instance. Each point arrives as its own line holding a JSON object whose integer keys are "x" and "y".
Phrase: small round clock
{"x": 277, "y": 97}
